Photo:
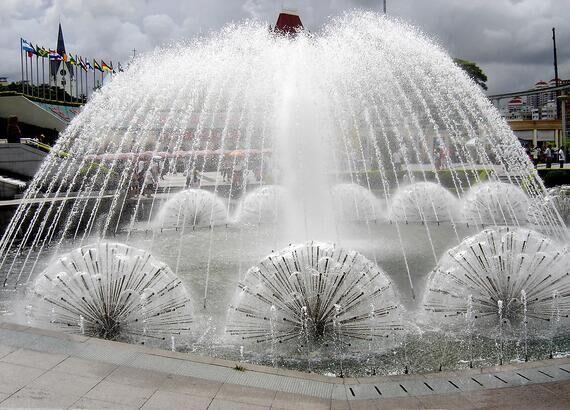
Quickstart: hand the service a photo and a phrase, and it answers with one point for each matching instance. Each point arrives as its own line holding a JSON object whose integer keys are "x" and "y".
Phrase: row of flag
{"x": 70, "y": 58}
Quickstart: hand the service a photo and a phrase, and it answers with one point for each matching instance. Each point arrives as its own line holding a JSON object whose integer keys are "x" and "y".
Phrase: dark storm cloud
{"x": 510, "y": 39}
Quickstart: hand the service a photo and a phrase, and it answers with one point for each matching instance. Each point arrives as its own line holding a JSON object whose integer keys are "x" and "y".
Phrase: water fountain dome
{"x": 555, "y": 202}
{"x": 263, "y": 205}
{"x": 502, "y": 274}
{"x": 353, "y": 202}
{"x": 191, "y": 208}
{"x": 424, "y": 202}
{"x": 496, "y": 203}
{"x": 365, "y": 99}
{"x": 312, "y": 295}
{"x": 112, "y": 291}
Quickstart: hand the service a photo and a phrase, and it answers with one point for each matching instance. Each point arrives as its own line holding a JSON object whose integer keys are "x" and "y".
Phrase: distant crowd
{"x": 548, "y": 156}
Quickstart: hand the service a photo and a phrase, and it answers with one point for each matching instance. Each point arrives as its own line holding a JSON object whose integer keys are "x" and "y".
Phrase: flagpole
{"x": 31, "y": 76}
{"x": 94, "y": 74}
{"x": 44, "y": 76}
{"x": 22, "y": 62}
{"x": 25, "y": 92}
{"x": 49, "y": 76}
{"x": 81, "y": 80}
{"x": 76, "y": 82}
{"x": 38, "y": 73}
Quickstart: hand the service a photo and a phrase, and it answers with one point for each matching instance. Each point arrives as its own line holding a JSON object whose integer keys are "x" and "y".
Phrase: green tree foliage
{"x": 473, "y": 71}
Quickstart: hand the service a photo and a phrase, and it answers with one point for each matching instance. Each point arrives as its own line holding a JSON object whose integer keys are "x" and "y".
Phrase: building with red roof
{"x": 288, "y": 23}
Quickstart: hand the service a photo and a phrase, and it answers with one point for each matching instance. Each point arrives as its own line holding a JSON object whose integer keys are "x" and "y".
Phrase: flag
{"x": 82, "y": 64}
{"x": 106, "y": 67}
{"x": 97, "y": 66}
{"x": 65, "y": 57}
{"x": 88, "y": 65}
{"x": 27, "y": 46}
{"x": 72, "y": 60}
{"x": 42, "y": 52}
{"x": 54, "y": 56}
{"x": 120, "y": 68}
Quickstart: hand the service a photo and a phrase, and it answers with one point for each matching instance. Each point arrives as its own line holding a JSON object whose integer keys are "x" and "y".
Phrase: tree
{"x": 473, "y": 71}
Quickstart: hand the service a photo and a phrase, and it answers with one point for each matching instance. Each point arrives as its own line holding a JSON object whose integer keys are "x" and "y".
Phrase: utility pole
{"x": 556, "y": 80}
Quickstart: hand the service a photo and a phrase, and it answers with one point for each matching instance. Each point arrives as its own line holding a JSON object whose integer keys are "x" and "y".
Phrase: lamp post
{"x": 562, "y": 99}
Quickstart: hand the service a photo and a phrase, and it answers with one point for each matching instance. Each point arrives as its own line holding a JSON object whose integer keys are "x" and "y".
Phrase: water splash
{"x": 424, "y": 202}
{"x": 487, "y": 272}
{"x": 112, "y": 291}
{"x": 318, "y": 294}
{"x": 264, "y": 205}
{"x": 496, "y": 203}
{"x": 352, "y": 202}
{"x": 191, "y": 208}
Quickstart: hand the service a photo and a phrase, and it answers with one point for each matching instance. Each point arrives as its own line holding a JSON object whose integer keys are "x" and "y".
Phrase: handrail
{"x": 39, "y": 99}
{"x": 528, "y": 92}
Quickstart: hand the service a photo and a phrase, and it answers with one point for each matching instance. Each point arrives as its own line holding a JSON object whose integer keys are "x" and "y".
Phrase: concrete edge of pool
{"x": 42, "y": 368}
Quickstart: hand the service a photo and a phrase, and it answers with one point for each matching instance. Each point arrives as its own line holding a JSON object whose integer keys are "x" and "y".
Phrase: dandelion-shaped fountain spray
{"x": 502, "y": 274}
{"x": 496, "y": 203}
{"x": 191, "y": 208}
{"x": 423, "y": 202}
{"x": 313, "y": 294}
{"x": 113, "y": 291}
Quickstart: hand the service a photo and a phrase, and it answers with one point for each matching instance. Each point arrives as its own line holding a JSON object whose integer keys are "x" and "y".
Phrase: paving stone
{"x": 13, "y": 377}
{"x": 173, "y": 401}
{"x": 120, "y": 393}
{"x": 4, "y": 350}
{"x": 218, "y": 404}
{"x": 87, "y": 403}
{"x": 33, "y": 358}
{"x": 86, "y": 368}
{"x": 299, "y": 402}
{"x": 243, "y": 394}
{"x": 28, "y": 398}
{"x": 190, "y": 385}
{"x": 398, "y": 403}
{"x": 445, "y": 401}
{"x": 363, "y": 404}
{"x": 66, "y": 384}
{"x": 340, "y": 405}
{"x": 137, "y": 377}
{"x": 559, "y": 388}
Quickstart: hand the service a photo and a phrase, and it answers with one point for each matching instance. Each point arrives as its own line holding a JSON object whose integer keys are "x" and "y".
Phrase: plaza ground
{"x": 40, "y": 368}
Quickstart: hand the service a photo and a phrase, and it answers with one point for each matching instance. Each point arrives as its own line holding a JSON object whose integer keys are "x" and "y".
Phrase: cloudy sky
{"x": 509, "y": 39}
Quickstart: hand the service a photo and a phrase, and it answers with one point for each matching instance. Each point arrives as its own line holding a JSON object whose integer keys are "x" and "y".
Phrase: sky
{"x": 510, "y": 39}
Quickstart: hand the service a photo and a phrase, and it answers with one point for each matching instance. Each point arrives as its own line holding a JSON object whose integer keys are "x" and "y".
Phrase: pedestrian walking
{"x": 548, "y": 157}
{"x": 535, "y": 156}
{"x": 561, "y": 157}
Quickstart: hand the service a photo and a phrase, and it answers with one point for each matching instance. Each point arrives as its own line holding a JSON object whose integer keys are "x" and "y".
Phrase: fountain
{"x": 315, "y": 293}
{"x": 352, "y": 202}
{"x": 500, "y": 275}
{"x": 264, "y": 205}
{"x": 496, "y": 203}
{"x": 191, "y": 208}
{"x": 286, "y": 122}
{"x": 424, "y": 202}
{"x": 112, "y": 291}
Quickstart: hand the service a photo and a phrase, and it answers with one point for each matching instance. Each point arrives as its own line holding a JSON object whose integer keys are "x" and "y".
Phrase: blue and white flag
{"x": 27, "y": 46}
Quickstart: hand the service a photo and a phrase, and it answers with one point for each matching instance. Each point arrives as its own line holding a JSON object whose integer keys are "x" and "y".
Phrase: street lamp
{"x": 562, "y": 98}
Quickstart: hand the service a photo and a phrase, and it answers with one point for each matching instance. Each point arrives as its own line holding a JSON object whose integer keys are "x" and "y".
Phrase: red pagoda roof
{"x": 288, "y": 23}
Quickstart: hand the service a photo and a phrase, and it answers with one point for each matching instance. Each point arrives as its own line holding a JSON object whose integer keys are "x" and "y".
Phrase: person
{"x": 13, "y": 133}
{"x": 561, "y": 157}
{"x": 195, "y": 180}
{"x": 548, "y": 156}
{"x": 397, "y": 157}
{"x": 535, "y": 156}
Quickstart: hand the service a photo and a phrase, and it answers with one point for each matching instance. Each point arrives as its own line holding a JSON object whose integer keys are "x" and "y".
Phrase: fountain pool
{"x": 289, "y": 186}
